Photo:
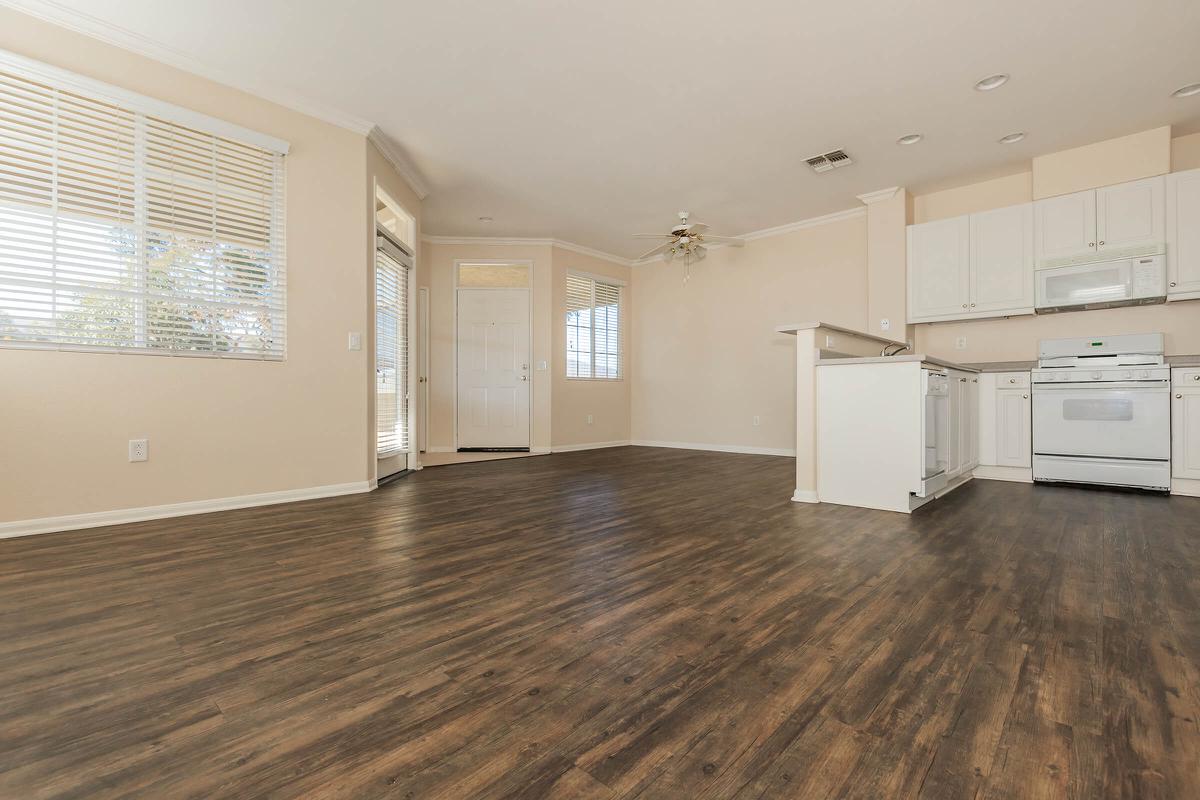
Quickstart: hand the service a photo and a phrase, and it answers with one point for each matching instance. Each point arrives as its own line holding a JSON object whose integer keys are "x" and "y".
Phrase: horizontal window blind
{"x": 391, "y": 351}
{"x": 594, "y": 323}
{"x": 125, "y": 230}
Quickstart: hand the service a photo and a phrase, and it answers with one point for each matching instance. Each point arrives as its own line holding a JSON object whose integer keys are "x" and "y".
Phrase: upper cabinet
{"x": 1130, "y": 218}
{"x": 976, "y": 265}
{"x": 938, "y": 268}
{"x": 1183, "y": 235}
{"x": 1066, "y": 228}
{"x": 1114, "y": 222}
{"x": 1001, "y": 260}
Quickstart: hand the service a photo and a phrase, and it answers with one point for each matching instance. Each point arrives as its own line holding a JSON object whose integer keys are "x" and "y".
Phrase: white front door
{"x": 493, "y": 368}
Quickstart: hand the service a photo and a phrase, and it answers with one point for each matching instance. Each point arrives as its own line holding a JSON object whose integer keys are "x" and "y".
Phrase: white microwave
{"x": 1130, "y": 281}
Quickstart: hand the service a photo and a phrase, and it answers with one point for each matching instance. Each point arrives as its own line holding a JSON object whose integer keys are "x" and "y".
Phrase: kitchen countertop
{"x": 1184, "y": 361}
{"x": 908, "y": 357}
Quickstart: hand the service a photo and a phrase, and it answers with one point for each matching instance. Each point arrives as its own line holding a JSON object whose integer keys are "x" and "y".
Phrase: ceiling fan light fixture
{"x": 1012, "y": 138}
{"x": 1186, "y": 91}
{"x": 991, "y": 82}
{"x": 909, "y": 138}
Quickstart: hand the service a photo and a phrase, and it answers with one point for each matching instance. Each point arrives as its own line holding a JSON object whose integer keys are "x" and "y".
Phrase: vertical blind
{"x": 124, "y": 228}
{"x": 593, "y": 328}
{"x": 391, "y": 349}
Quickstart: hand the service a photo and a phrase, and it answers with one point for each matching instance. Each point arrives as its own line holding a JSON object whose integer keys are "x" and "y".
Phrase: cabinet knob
{"x": 1172, "y": 283}
{"x": 964, "y": 305}
{"x": 1178, "y": 397}
{"x": 972, "y": 305}
{"x": 1102, "y": 243}
{"x": 1196, "y": 377}
{"x": 1024, "y": 397}
{"x": 1012, "y": 380}
{"x": 1091, "y": 244}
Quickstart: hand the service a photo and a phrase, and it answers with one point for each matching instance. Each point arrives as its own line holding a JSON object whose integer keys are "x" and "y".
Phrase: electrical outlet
{"x": 589, "y": 419}
{"x": 354, "y": 341}
{"x": 757, "y": 420}
{"x": 885, "y": 324}
{"x": 139, "y": 449}
{"x": 960, "y": 343}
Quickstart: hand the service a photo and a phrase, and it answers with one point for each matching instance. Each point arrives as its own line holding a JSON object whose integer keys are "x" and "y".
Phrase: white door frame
{"x": 410, "y": 456}
{"x": 527, "y": 262}
{"x": 423, "y": 378}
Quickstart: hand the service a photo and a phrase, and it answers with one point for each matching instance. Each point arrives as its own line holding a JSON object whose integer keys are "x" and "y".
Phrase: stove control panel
{"x": 1084, "y": 375}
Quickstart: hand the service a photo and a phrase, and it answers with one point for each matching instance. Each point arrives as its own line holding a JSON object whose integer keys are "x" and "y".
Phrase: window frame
{"x": 621, "y": 288}
{"x": 61, "y": 80}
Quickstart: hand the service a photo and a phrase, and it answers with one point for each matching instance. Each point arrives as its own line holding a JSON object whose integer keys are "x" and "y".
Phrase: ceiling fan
{"x": 687, "y": 239}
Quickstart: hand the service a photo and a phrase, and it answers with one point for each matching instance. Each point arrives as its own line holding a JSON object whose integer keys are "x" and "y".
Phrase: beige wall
{"x": 887, "y": 255}
{"x": 216, "y": 428}
{"x": 706, "y": 355}
{"x": 1106, "y": 163}
{"x": 1016, "y": 338}
{"x": 608, "y": 402}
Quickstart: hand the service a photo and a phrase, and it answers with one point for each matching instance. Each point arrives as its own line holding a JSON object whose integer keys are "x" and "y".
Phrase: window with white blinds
{"x": 391, "y": 349}
{"x": 130, "y": 225}
{"x": 594, "y": 340}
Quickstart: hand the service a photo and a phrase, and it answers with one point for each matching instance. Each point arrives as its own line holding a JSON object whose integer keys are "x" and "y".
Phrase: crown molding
{"x": 396, "y": 157}
{"x": 811, "y": 222}
{"x": 95, "y": 28}
{"x": 879, "y": 195}
{"x": 510, "y": 241}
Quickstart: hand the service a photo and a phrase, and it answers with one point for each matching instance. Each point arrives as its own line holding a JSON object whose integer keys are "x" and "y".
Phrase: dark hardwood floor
{"x": 618, "y": 623}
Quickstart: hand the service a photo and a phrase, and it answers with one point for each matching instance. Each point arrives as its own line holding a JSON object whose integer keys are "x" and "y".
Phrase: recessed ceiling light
{"x": 485, "y": 219}
{"x": 991, "y": 82}
{"x": 911, "y": 138}
{"x": 1187, "y": 91}
{"x": 1012, "y": 138}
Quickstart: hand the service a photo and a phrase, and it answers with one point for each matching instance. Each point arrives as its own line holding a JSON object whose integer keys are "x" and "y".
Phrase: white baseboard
{"x": 28, "y": 527}
{"x": 719, "y": 448}
{"x": 441, "y": 450}
{"x": 1014, "y": 474}
{"x": 1185, "y": 487}
{"x": 805, "y": 496}
{"x": 571, "y": 448}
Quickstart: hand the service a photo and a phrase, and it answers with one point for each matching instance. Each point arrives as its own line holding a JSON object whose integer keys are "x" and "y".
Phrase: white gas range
{"x": 1102, "y": 412}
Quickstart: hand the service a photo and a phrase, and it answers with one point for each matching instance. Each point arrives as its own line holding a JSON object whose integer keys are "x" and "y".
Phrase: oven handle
{"x": 1134, "y": 386}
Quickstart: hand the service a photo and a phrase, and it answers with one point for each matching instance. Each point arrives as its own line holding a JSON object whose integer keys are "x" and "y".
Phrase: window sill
{"x": 597, "y": 380}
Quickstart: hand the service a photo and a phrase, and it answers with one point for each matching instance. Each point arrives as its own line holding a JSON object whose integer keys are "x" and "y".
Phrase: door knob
{"x": 421, "y": 379}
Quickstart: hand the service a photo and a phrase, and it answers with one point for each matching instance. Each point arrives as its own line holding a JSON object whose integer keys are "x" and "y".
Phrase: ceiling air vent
{"x": 831, "y": 160}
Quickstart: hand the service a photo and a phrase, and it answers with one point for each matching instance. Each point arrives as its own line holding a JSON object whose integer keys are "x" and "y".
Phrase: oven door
{"x": 1085, "y": 284}
{"x": 1114, "y": 421}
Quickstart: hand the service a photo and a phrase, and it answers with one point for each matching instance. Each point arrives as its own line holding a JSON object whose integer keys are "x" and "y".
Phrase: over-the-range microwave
{"x": 1140, "y": 280}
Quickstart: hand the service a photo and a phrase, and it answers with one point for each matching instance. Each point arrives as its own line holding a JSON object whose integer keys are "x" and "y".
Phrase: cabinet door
{"x": 972, "y": 402}
{"x": 1065, "y": 228}
{"x": 1131, "y": 217}
{"x": 1014, "y": 428}
{"x": 1002, "y": 260}
{"x": 954, "y": 460}
{"x": 1183, "y": 234}
{"x": 939, "y": 268}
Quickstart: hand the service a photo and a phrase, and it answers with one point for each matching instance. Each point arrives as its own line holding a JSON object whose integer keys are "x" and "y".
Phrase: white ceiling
{"x": 589, "y": 121}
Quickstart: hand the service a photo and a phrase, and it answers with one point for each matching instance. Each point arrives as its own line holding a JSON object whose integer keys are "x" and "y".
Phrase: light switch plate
{"x": 354, "y": 341}
{"x": 541, "y": 365}
{"x": 960, "y": 343}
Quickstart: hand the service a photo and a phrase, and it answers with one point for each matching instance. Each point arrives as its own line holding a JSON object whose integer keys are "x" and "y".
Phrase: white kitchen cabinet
{"x": 939, "y": 268}
{"x": 1131, "y": 218}
{"x": 1014, "y": 428}
{"x": 976, "y": 265}
{"x": 1065, "y": 228}
{"x": 970, "y": 426}
{"x": 1002, "y": 260}
{"x": 1112, "y": 222}
{"x": 963, "y": 449}
{"x": 1183, "y": 235}
{"x": 1185, "y": 423}
{"x": 1005, "y": 426}
{"x": 955, "y": 445}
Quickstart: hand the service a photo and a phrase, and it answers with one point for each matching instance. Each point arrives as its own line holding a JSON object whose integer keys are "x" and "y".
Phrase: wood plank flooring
{"x": 620, "y": 623}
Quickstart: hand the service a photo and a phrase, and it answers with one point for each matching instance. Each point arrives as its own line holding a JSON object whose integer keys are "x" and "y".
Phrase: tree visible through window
{"x": 593, "y": 328}
{"x": 122, "y": 230}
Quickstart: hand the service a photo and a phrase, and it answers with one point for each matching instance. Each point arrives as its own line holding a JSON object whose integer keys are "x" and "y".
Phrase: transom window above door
{"x": 595, "y": 319}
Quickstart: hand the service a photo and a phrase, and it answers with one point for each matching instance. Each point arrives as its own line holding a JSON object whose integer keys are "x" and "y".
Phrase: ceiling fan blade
{"x": 661, "y": 248}
{"x": 731, "y": 241}
{"x": 697, "y": 227}
{"x": 653, "y": 236}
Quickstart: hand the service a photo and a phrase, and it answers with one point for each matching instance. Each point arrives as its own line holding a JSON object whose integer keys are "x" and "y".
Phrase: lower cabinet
{"x": 1185, "y": 423}
{"x": 964, "y": 423}
{"x": 1005, "y": 425}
